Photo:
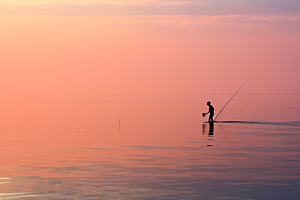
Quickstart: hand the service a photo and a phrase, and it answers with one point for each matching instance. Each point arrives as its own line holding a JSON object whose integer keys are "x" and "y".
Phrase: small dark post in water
{"x": 119, "y": 124}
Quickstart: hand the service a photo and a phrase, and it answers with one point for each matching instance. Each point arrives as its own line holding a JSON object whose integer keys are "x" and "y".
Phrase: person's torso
{"x": 211, "y": 108}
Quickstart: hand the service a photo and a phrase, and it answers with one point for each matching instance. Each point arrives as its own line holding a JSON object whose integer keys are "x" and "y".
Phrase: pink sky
{"x": 78, "y": 47}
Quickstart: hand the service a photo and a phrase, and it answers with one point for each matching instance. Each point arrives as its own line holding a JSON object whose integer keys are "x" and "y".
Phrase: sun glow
{"x": 81, "y": 2}
{"x": 143, "y": 46}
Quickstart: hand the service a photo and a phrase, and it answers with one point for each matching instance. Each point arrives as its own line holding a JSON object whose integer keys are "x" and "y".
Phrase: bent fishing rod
{"x": 230, "y": 100}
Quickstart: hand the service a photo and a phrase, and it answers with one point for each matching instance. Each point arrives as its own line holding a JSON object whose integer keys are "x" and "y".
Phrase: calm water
{"x": 150, "y": 147}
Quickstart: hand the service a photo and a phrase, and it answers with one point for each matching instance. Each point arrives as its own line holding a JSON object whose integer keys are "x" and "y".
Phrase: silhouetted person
{"x": 210, "y": 111}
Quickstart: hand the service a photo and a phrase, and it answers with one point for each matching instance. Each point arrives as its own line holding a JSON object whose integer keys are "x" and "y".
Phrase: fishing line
{"x": 230, "y": 99}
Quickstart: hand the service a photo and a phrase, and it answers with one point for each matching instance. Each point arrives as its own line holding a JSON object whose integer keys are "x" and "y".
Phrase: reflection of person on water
{"x": 210, "y": 111}
{"x": 211, "y": 129}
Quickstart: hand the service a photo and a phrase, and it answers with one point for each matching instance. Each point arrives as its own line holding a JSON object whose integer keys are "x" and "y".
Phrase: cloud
{"x": 113, "y": 2}
{"x": 207, "y": 8}
{"x": 188, "y": 20}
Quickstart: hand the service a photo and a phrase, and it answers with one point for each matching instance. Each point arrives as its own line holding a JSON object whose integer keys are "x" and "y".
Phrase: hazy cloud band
{"x": 215, "y": 7}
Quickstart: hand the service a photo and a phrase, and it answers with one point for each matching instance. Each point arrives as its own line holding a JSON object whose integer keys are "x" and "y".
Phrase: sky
{"x": 143, "y": 46}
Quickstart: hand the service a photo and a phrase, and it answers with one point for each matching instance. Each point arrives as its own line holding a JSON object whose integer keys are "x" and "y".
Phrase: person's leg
{"x": 211, "y": 116}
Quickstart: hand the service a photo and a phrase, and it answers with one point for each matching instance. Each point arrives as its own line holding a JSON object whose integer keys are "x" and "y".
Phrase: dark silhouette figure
{"x": 210, "y": 111}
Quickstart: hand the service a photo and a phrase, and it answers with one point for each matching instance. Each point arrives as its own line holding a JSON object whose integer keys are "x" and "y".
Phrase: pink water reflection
{"x": 154, "y": 144}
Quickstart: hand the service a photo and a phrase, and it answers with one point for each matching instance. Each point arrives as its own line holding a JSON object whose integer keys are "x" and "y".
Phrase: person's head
{"x": 208, "y": 103}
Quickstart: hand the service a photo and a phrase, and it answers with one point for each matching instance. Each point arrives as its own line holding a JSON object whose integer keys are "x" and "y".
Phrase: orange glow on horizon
{"x": 86, "y": 54}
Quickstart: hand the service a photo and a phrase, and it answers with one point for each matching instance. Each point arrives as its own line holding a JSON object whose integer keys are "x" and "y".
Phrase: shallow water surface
{"x": 150, "y": 147}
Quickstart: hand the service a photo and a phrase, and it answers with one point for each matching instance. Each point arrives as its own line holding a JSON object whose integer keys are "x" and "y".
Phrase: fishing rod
{"x": 230, "y": 99}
